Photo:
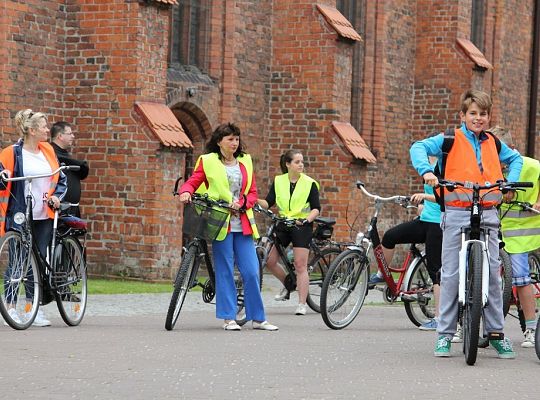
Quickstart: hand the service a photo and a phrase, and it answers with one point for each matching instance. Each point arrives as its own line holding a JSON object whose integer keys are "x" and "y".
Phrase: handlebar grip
{"x": 523, "y": 184}
{"x": 175, "y": 190}
{"x": 359, "y": 184}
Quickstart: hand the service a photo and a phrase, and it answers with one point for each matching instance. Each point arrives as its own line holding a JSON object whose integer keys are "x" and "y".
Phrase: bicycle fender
{"x": 462, "y": 269}
{"x": 410, "y": 269}
{"x": 485, "y": 274}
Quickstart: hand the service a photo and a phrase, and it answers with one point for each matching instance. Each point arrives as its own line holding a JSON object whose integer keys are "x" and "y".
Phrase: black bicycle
{"x": 474, "y": 263}
{"x": 203, "y": 220}
{"x": 322, "y": 252}
{"x": 29, "y": 279}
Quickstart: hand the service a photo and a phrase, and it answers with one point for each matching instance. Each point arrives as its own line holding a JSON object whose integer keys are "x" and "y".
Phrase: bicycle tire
{"x": 537, "y": 339}
{"x": 422, "y": 309}
{"x": 70, "y": 280}
{"x": 344, "y": 288}
{"x": 472, "y": 310}
{"x": 182, "y": 284}
{"x": 506, "y": 280}
{"x": 534, "y": 267}
{"x": 21, "y": 278}
{"x": 317, "y": 269}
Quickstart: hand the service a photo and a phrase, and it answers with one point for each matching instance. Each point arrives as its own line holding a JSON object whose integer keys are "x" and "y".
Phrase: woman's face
{"x": 41, "y": 132}
{"x": 296, "y": 164}
{"x": 229, "y": 144}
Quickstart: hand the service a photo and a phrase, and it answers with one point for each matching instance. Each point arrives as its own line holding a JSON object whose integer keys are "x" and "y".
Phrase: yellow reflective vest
{"x": 218, "y": 186}
{"x": 295, "y": 205}
{"x": 521, "y": 228}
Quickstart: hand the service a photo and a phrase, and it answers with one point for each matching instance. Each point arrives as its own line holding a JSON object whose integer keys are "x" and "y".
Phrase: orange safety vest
{"x": 461, "y": 165}
{"x": 7, "y": 158}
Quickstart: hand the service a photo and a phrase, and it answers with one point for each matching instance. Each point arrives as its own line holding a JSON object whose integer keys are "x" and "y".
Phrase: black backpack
{"x": 448, "y": 142}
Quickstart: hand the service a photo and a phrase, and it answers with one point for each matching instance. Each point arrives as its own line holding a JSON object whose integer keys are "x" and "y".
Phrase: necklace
{"x": 229, "y": 162}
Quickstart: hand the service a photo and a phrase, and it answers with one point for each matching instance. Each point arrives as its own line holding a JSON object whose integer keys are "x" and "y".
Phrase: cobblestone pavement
{"x": 122, "y": 351}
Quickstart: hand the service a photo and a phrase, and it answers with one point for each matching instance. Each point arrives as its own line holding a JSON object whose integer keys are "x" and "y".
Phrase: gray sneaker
{"x": 458, "y": 336}
{"x": 528, "y": 340}
{"x": 283, "y": 295}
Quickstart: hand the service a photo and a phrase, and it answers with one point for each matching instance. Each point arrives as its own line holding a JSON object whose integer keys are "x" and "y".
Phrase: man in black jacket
{"x": 62, "y": 139}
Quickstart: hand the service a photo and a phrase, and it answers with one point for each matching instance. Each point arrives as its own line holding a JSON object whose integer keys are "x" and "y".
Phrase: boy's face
{"x": 475, "y": 119}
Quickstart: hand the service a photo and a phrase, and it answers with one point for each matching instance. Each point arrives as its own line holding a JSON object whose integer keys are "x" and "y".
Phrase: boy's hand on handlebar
{"x": 430, "y": 179}
{"x": 54, "y": 202}
{"x": 185, "y": 197}
{"x": 509, "y": 196}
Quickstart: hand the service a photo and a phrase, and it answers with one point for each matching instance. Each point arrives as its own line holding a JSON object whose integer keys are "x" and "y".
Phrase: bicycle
{"x": 323, "y": 250}
{"x": 203, "y": 220}
{"x": 346, "y": 283}
{"x": 29, "y": 279}
{"x": 473, "y": 287}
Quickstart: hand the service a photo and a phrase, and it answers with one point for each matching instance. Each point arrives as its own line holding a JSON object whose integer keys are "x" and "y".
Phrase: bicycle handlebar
{"x": 289, "y": 222}
{"x": 501, "y": 185}
{"x": 5, "y": 178}
{"x": 403, "y": 201}
{"x": 525, "y": 205}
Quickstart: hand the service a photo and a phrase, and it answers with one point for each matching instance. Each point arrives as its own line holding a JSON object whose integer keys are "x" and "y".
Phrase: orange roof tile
{"x": 338, "y": 21}
{"x": 474, "y": 53}
{"x": 353, "y": 141}
{"x": 162, "y": 122}
{"x": 175, "y": 2}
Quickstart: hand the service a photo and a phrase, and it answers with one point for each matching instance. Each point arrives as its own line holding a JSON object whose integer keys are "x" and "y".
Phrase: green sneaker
{"x": 503, "y": 347}
{"x": 442, "y": 347}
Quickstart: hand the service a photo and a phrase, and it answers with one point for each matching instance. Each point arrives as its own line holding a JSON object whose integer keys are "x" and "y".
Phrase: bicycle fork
{"x": 463, "y": 268}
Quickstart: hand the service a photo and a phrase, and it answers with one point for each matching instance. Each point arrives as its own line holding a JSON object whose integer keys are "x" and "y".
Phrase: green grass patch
{"x": 117, "y": 286}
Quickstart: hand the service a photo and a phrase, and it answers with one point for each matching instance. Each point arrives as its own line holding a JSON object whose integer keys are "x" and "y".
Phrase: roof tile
{"x": 163, "y": 123}
{"x": 173, "y": 2}
{"x": 353, "y": 141}
{"x": 338, "y": 21}
{"x": 474, "y": 53}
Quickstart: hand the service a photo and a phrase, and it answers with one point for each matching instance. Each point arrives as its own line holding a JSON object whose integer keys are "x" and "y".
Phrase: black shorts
{"x": 300, "y": 236}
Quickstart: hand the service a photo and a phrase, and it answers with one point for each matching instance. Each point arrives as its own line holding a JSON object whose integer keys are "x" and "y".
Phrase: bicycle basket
{"x": 323, "y": 232}
{"x": 203, "y": 221}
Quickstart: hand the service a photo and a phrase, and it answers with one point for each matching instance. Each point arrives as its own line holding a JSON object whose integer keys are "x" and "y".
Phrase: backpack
{"x": 448, "y": 142}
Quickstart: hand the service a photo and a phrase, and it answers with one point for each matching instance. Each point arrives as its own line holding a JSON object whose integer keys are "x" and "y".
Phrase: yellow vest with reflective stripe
{"x": 521, "y": 228}
{"x": 295, "y": 205}
{"x": 218, "y": 185}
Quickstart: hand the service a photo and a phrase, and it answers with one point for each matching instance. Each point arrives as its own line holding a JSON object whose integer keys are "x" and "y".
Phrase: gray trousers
{"x": 451, "y": 223}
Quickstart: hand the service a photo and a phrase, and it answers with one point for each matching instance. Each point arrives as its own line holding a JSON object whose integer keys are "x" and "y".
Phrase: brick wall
{"x": 277, "y": 69}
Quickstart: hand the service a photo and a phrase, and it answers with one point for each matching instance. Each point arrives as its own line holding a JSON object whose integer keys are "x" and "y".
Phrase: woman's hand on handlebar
{"x": 430, "y": 179}
{"x": 417, "y": 198}
{"x": 185, "y": 197}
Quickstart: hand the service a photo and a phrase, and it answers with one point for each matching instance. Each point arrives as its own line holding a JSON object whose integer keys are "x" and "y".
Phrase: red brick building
{"x": 145, "y": 83}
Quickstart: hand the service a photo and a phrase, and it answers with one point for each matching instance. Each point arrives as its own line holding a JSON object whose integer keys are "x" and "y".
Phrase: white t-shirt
{"x": 36, "y": 164}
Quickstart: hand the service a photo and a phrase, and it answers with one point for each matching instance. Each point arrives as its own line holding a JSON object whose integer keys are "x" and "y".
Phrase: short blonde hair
{"x": 26, "y": 119}
{"x": 482, "y": 99}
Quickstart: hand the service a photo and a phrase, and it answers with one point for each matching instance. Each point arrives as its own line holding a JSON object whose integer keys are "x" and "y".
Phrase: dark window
{"x": 189, "y": 33}
{"x": 353, "y": 11}
{"x": 478, "y": 23}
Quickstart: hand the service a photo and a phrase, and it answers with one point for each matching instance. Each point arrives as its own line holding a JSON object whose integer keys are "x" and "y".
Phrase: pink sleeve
{"x": 251, "y": 197}
{"x": 195, "y": 180}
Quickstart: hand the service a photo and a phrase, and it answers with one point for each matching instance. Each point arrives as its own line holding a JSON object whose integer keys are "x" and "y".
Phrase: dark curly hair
{"x": 219, "y": 133}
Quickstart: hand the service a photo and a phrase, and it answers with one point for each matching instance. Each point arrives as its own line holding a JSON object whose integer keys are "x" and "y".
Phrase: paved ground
{"x": 122, "y": 351}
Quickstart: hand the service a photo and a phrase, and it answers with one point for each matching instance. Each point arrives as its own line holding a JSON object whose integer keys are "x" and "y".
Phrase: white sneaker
{"x": 301, "y": 309}
{"x": 529, "y": 340}
{"x": 458, "y": 336}
{"x": 14, "y": 316}
{"x": 41, "y": 320}
{"x": 265, "y": 326}
{"x": 283, "y": 295}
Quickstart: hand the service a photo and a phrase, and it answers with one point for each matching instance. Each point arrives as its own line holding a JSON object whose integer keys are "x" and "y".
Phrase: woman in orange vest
{"x": 31, "y": 155}
{"x": 226, "y": 173}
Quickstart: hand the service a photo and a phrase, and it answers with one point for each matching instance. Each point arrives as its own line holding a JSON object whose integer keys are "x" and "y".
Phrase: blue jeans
{"x": 240, "y": 248}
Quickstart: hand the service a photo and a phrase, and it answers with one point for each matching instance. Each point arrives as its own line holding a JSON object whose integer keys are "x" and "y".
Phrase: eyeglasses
{"x": 68, "y": 133}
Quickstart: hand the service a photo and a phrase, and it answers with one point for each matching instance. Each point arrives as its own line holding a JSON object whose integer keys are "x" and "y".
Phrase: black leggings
{"x": 417, "y": 231}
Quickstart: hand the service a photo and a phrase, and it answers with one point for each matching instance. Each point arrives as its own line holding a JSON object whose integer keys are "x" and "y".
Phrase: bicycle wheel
{"x": 317, "y": 269}
{"x": 472, "y": 310}
{"x": 537, "y": 339}
{"x": 70, "y": 280}
{"x": 182, "y": 284}
{"x": 344, "y": 289}
{"x": 422, "y": 308}
{"x": 534, "y": 267}
{"x": 20, "y": 293}
{"x": 506, "y": 280}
